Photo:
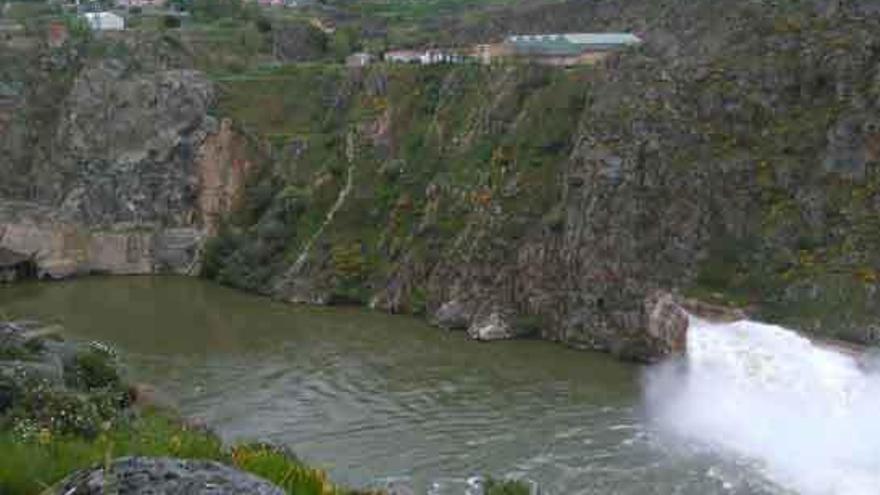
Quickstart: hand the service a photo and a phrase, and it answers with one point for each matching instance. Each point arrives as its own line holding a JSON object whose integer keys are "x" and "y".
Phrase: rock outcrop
{"x": 492, "y": 326}
{"x": 129, "y": 173}
{"x": 145, "y": 475}
{"x": 65, "y": 248}
{"x": 667, "y": 328}
{"x": 452, "y": 315}
{"x": 46, "y": 382}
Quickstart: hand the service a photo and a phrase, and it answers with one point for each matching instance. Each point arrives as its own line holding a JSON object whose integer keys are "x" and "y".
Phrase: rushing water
{"x": 373, "y": 398}
{"x": 808, "y": 414}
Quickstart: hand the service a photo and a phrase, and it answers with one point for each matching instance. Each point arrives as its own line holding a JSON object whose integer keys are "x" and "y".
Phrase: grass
{"x": 30, "y": 465}
{"x": 506, "y": 487}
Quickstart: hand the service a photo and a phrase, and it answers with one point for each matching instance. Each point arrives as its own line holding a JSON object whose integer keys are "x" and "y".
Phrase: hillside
{"x": 731, "y": 158}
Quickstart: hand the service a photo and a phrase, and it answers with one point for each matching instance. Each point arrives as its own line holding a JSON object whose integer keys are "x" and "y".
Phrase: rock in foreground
{"x": 166, "y": 476}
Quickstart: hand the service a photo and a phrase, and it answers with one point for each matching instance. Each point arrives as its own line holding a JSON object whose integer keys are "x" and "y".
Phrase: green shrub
{"x": 93, "y": 368}
{"x": 40, "y": 406}
{"x": 506, "y": 487}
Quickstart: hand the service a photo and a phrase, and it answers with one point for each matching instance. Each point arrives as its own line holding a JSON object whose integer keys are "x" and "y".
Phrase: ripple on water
{"x": 366, "y": 395}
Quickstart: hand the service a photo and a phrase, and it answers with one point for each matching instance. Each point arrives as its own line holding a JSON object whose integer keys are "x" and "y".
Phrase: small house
{"x": 360, "y": 59}
{"x": 567, "y": 49}
{"x": 423, "y": 57}
{"x": 140, "y": 3}
{"x": 104, "y": 21}
{"x": 15, "y": 266}
{"x": 429, "y": 57}
{"x": 403, "y": 56}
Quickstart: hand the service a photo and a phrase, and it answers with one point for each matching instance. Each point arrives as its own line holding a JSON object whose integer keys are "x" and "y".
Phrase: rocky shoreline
{"x": 54, "y": 391}
{"x": 71, "y": 424}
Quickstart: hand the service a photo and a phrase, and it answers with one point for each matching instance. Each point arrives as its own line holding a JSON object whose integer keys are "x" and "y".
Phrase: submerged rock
{"x": 166, "y": 476}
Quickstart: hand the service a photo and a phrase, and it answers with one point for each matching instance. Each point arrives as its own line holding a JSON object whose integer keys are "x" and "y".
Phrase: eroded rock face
{"x": 62, "y": 249}
{"x": 168, "y": 476}
{"x": 134, "y": 177}
{"x": 125, "y": 144}
{"x": 223, "y": 165}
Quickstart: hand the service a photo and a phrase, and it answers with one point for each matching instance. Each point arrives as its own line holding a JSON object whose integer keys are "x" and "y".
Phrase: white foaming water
{"x": 809, "y": 416}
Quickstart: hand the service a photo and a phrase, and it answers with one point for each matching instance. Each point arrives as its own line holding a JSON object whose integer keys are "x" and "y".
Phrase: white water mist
{"x": 810, "y": 416}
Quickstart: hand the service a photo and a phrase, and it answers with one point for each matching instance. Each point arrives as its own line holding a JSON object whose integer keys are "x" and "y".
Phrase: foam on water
{"x": 807, "y": 415}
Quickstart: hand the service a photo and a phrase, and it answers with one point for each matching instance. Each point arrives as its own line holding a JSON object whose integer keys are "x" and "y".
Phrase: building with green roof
{"x": 568, "y": 49}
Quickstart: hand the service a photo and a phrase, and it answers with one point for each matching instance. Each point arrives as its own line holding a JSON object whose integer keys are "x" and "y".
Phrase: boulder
{"x": 453, "y": 315}
{"x": 667, "y": 325}
{"x": 493, "y": 326}
{"x": 713, "y": 312}
{"x": 166, "y": 476}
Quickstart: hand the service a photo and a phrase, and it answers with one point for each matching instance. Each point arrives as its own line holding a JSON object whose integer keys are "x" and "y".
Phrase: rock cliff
{"x": 729, "y": 159}
{"x": 125, "y": 171}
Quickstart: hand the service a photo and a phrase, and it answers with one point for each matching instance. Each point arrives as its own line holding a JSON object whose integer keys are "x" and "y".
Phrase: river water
{"x": 378, "y": 399}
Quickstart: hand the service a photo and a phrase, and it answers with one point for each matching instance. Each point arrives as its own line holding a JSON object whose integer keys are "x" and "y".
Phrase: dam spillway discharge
{"x": 805, "y": 414}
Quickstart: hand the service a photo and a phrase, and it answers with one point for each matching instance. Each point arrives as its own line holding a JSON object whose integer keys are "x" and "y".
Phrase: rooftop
{"x": 570, "y": 43}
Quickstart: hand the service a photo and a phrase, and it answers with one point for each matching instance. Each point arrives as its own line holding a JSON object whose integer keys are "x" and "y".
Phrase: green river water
{"x": 378, "y": 399}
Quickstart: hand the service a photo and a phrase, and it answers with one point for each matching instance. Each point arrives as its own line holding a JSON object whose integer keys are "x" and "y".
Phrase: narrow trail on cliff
{"x": 331, "y": 213}
{"x": 804, "y": 415}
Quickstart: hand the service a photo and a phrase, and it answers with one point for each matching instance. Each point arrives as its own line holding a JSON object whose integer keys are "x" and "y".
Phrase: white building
{"x": 424, "y": 57}
{"x": 403, "y": 56}
{"x": 104, "y": 21}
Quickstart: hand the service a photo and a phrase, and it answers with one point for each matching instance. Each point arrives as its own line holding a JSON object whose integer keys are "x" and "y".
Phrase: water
{"x": 377, "y": 399}
{"x": 805, "y": 415}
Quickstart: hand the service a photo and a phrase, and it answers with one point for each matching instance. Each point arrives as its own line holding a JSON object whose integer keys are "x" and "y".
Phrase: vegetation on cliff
{"x": 730, "y": 159}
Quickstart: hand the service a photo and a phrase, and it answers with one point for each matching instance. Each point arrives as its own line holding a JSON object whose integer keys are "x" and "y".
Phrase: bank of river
{"x": 372, "y": 397}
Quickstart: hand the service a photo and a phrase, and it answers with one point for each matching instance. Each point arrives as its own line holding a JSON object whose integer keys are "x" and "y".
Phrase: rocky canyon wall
{"x": 115, "y": 166}
{"x": 729, "y": 159}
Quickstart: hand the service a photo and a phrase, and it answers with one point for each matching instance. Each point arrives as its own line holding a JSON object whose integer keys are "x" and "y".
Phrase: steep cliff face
{"x": 117, "y": 174}
{"x": 732, "y": 158}
{"x": 224, "y": 162}
{"x": 737, "y": 167}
